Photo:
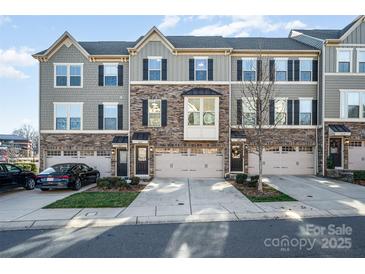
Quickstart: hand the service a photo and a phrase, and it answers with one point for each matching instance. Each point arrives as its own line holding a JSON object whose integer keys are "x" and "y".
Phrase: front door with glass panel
{"x": 237, "y": 158}
{"x": 142, "y": 160}
{"x": 122, "y": 162}
{"x": 335, "y": 151}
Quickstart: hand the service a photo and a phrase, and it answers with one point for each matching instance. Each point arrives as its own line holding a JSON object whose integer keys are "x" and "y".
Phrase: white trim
{"x": 311, "y": 71}
{"x": 84, "y": 131}
{"x": 148, "y": 113}
{"x": 110, "y": 64}
{"x": 358, "y": 61}
{"x": 206, "y": 70}
{"x": 113, "y": 104}
{"x": 351, "y": 57}
{"x": 344, "y": 105}
{"x": 201, "y": 57}
{"x": 148, "y": 66}
{"x": 281, "y": 126}
{"x": 354, "y": 120}
{"x": 349, "y": 45}
{"x": 68, "y": 74}
{"x": 179, "y": 82}
{"x": 154, "y": 57}
{"x": 68, "y": 104}
{"x": 311, "y": 104}
{"x": 343, "y": 74}
{"x": 148, "y": 160}
{"x": 110, "y": 103}
{"x": 282, "y": 82}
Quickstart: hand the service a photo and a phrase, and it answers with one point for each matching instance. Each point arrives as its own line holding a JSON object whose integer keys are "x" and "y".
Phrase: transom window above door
{"x": 154, "y": 68}
{"x": 353, "y": 104}
{"x": 201, "y": 69}
{"x": 68, "y": 75}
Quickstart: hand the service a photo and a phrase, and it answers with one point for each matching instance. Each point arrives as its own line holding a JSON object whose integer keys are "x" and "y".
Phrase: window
{"x": 68, "y": 116}
{"x": 306, "y": 69}
{"x": 154, "y": 113}
{"x": 305, "y": 149}
{"x": 68, "y": 75}
{"x": 103, "y": 153}
{"x": 154, "y": 68}
{"x": 193, "y": 111}
{"x": 272, "y": 149}
{"x": 201, "y": 69}
{"x": 280, "y": 111}
{"x": 249, "y": 69}
{"x": 110, "y": 117}
{"x": 305, "y": 115}
{"x": 249, "y": 111}
{"x": 287, "y": 148}
{"x": 70, "y": 153}
{"x": 85, "y": 153}
{"x": 361, "y": 61}
{"x": 53, "y": 153}
{"x": 281, "y": 68}
{"x": 344, "y": 57}
{"x": 12, "y": 169}
{"x": 201, "y": 111}
{"x": 355, "y": 144}
{"x": 353, "y": 104}
{"x": 110, "y": 74}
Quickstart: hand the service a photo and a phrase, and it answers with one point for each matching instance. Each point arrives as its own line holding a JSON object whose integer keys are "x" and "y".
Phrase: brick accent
{"x": 173, "y": 134}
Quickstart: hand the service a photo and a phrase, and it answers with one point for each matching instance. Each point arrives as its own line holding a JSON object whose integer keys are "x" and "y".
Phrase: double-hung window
{"x": 249, "y": 111}
{"x": 306, "y": 69}
{"x": 305, "y": 109}
{"x": 249, "y": 69}
{"x": 110, "y": 74}
{"x": 154, "y": 113}
{"x": 353, "y": 104}
{"x": 110, "y": 116}
{"x": 281, "y": 69}
{"x": 68, "y": 116}
{"x": 154, "y": 68}
{"x": 201, "y": 111}
{"x": 208, "y": 112}
{"x": 361, "y": 60}
{"x": 201, "y": 69}
{"x": 280, "y": 111}
{"x": 68, "y": 75}
{"x": 344, "y": 60}
{"x": 194, "y": 111}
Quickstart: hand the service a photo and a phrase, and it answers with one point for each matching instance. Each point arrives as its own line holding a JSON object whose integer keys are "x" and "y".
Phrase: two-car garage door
{"x": 284, "y": 160}
{"x": 203, "y": 163}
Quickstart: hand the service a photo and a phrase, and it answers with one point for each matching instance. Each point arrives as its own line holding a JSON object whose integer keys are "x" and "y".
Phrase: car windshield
{"x": 61, "y": 168}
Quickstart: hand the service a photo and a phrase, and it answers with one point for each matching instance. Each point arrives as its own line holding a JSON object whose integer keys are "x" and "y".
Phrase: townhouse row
{"x": 173, "y": 106}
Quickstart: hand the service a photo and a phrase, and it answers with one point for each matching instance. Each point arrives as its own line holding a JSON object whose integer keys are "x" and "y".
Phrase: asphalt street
{"x": 319, "y": 237}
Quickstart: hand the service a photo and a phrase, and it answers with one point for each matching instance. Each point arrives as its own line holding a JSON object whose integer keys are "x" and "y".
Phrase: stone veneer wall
{"x": 75, "y": 142}
{"x": 173, "y": 134}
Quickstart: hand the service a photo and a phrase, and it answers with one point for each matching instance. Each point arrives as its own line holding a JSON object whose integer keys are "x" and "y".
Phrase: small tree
{"x": 28, "y": 132}
{"x": 257, "y": 98}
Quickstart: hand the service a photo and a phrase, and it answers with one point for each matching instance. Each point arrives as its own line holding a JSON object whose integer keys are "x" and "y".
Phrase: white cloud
{"x": 245, "y": 25}
{"x": 4, "y": 20}
{"x": 11, "y": 59}
{"x": 169, "y": 21}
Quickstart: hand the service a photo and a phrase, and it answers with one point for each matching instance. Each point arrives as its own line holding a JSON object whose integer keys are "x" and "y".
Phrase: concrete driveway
{"x": 334, "y": 196}
{"x": 183, "y": 196}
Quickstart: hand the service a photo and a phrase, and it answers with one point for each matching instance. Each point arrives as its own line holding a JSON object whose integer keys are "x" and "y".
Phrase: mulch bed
{"x": 132, "y": 188}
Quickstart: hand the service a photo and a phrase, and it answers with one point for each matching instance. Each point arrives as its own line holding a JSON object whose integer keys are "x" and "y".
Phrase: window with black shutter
{"x": 100, "y": 117}
{"x": 239, "y": 111}
{"x": 210, "y": 69}
{"x": 296, "y": 70}
{"x": 164, "y": 70}
{"x": 164, "y": 113}
{"x": 239, "y": 70}
{"x": 120, "y": 117}
{"x": 120, "y": 75}
{"x": 191, "y": 70}
{"x": 101, "y": 75}
{"x": 145, "y": 69}
{"x": 145, "y": 112}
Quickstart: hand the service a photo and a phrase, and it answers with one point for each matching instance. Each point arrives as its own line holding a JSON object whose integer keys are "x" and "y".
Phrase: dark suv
{"x": 12, "y": 176}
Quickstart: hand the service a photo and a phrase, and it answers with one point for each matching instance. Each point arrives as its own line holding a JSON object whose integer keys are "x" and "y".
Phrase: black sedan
{"x": 12, "y": 176}
{"x": 68, "y": 175}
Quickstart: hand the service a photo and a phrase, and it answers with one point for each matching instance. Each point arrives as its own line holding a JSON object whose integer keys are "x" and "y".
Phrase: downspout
{"x": 323, "y": 103}
{"x": 39, "y": 119}
{"x": 229, "y": 110}
{"x": 129, "y": 117}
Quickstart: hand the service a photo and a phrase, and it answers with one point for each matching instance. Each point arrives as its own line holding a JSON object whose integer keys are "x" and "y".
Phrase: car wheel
{"x": 78, "y": 184}
{"x": 44, "y": 189}
{"x": 29, "y": 184}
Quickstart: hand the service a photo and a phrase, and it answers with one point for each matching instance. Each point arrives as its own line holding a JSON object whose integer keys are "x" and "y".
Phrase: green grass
{"x": 277, "y": 198}
{"x": 95, "y": 199}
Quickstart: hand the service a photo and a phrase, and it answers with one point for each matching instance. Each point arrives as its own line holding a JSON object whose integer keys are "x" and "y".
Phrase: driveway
{"x": 183, "y": 196}
{"x": 334, "y": 196}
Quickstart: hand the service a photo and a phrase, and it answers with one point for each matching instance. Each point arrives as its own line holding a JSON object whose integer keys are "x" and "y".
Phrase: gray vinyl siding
{"x": 290, "y": 91}
{"x": 177, "y": 65}
{"x": 320, "y": 88}
{"x": 91, "y": 94}
{"x": 331, "y": 58}
{"x": 357, "y": 36}
{"x": 333, "y": 85}
{"x": 309, "y": 41}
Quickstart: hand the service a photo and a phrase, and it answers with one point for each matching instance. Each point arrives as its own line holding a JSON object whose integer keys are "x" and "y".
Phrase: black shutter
{"x": 272, "y": 70}
{"x": 272, "y": 112}
{"x": 239, "y": 70}
{"x": 290, "y": 112}
{"x": 164, "y": 70}
{"x": 120, "y": 75}
{"x": 145, "y": 69}
{"x": 296, "y": 70}
{"x": 191, "y": 70}
{"x": 239, "y": 111}
{"x": 101, "y": 117}
{"x": 120, "y": 117}
{"x": 210, "y": 69}
{"x": 164, "y": 113}
{"x": 144, "y": 112}
{"x": 315, "y": 70}
{"x": 290, "y": 70}
{"x": 101, "y": 75}
{"x": 314, "y": 112}
{"x": 296, "y": 112}
{"x": 259, "y": 70}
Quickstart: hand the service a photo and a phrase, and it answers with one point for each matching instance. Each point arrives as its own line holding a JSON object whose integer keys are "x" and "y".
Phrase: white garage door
{"x": 100, "y": 160}
{"x": 357, "y": 155}
{"x": 286, "y": 160}
{"x": 195, "y": 163}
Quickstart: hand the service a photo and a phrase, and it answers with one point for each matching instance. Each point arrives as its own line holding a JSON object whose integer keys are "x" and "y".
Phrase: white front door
{"x": 357, "y": 155}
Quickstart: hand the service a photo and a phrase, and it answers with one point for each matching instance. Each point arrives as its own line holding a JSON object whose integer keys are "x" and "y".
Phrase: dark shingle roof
{"x": 120, "y": 140}
{"x": 238, "y": 134}
{"x": 12, "y": 137}
{"x": 339, "y": 128}
{"x": 201, "y": 91}
{"x": 107, "y": 47}
{"x": 267, "y": 43}
{"x": 198, "y": 41}
{"x": 142, "y": 136}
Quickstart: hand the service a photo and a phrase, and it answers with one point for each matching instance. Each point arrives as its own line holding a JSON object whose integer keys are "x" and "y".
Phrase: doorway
{"x": 335, "y": 151}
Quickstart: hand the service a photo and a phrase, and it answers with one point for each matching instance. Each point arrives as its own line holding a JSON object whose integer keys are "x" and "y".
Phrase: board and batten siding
{"x": 177, "y": 65}
{"x": 290, "y": 91}
{"x": 331, "y": 57}
{"x": 334, "y": 83}
{"x": 90, "y": 94}
{"x": 357, "y": 36}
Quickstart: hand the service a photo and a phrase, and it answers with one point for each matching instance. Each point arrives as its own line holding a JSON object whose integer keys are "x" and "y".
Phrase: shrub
{"x": 330, "y": 162}
{"x": 359, "y": 174}
{"x": 28, "y": 166}
{"x": 135, "y": 180}
{"x": 111, "y": 183}
{"x": 253, "y": 181}
{"x": 241, "y": 178}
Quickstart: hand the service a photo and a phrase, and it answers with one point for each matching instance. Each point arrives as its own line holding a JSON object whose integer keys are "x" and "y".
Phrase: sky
{"x": 21, "y": 36}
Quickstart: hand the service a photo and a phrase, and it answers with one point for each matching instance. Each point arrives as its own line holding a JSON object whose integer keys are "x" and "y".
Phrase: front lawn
{"x": 269, "y": 194}
{"x": 95, "y": 199}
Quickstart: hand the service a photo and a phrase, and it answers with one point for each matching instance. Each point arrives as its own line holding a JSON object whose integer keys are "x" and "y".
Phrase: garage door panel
{"x": 357, "y": 157}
